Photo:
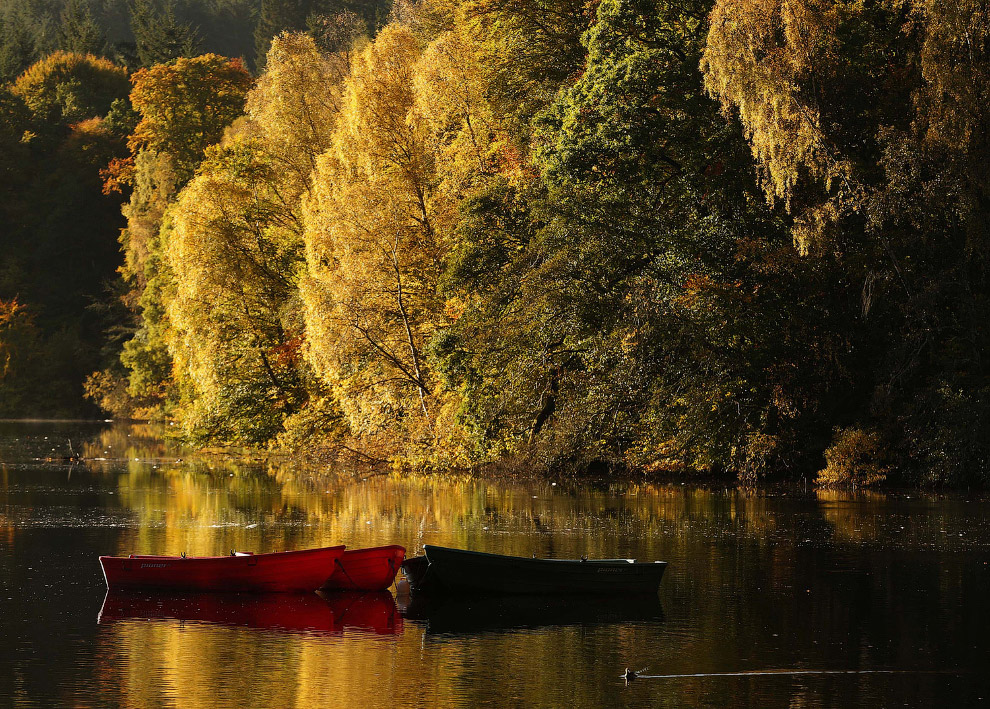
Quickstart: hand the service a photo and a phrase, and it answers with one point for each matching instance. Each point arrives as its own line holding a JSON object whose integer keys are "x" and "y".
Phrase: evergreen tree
{"x": 277, "y": 16}
{"x": 78, "y": 31}
{"x": 21, "y": 40}
{"x": 159, "y": 35}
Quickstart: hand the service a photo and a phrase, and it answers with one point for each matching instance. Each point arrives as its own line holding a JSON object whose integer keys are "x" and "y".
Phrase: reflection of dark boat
{"x": 373, "y": 611}
{"x": 287, "y": 571}
{"x": 370, "y": 569}
{"x": 472, "y": 614}
{"x": 294, "y": 613}
{"x": 457, "y": 570}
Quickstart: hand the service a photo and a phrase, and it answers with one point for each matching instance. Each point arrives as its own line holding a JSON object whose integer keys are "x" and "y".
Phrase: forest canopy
{"x": 721, "y": 237}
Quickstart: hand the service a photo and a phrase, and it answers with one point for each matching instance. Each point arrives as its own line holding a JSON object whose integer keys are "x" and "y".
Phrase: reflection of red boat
{"x": 286, "y": 572}
{"x": 295, "y": 613}
{"x": 374, "y": 611}
{"x": 371, "y": 569}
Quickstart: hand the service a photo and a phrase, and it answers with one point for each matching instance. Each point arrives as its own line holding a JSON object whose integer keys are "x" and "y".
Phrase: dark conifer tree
{"x": 78, "y": 31}
{"x": 278, "y": 16}
{"x": 22, "y": 39}
{"x": 159, "y": 35}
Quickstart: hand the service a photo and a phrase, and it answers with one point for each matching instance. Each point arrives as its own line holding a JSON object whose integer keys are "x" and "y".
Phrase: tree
{"x": 19, "y": 346}
{"x": 22, "y": 38}
{"x": 236, "y": 244}
{"x": 78, "y": 32}
{"x": 616, "y": 309}
{"x": 186, "y": 105}
{"x": 865, "y": 122}
{"x": 295, "y": 103}
{"x": 64, "y": 88}
{"x": 277, "y": 16}
{"x": 159, "y": 35}
{"x": 235, "y": 339}
{"x": 372, "y": 250}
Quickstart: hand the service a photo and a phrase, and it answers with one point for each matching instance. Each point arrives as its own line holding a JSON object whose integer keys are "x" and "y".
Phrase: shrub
{"x": 857, "y": 457}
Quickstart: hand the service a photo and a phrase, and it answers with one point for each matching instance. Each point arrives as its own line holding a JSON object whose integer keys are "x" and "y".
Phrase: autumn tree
{"x": 181, "y": 109}
{"x": 232, "y": 324}
{"x": 19, "y": 345}
{"x": 185, "y": 106}
{"x": 614, "y": 311}
{"x": 57, "y": 256}
{"x": 235, "y": 248}
{"x": 296, "y": 102}
{"x": 372, "y": 248}
{"x": 865, "y": 123}
{"x": 64, "y": 88}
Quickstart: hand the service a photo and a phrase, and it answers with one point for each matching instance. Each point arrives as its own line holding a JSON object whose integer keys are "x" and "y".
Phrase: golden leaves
{"x": 758, "y": 54}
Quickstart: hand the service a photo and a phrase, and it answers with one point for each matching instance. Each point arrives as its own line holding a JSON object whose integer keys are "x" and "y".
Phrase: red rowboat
{"x": 279, "y": 572}
{"x": 370, "y": 569}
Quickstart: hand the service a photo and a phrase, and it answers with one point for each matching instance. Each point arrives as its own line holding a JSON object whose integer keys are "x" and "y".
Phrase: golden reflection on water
{"x": 757, "y": 578}
{"x": 196, "y": 650}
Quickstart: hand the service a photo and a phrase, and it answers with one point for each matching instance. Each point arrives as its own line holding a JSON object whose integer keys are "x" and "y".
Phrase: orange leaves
{"x": 16, "y": 324}
{"x": 186, "y": 105}
{"x": 698, "y": 289}
{"x": 12, "y": 311}
{"x": 288, "y": 354}
{"x": 118, "y": 173}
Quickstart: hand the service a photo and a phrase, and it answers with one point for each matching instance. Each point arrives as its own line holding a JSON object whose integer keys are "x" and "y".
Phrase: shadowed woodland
{"x": 723, "y": 237}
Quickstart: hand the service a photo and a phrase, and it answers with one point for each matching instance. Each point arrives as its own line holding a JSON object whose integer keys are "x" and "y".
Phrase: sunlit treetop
{"x": 186, "y": 105}
{"x": 65, "y": 87}
{"x": 296, "y": 101}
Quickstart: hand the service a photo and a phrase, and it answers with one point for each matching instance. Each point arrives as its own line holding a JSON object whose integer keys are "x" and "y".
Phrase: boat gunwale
{"x": 241, "y": 555}
{"x": 487, "y": 557}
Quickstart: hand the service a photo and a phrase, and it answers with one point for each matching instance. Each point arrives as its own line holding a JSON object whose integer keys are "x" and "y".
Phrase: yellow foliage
{"x": 185, "y": 106}
{"x": 296, "y": 102}
{"x": 372, "y": 252}
{"x": 450, "y": 97}
{"x": 856, "y": 457}
{"x": 758, "y": 54}
{"x": 71, "y": 87}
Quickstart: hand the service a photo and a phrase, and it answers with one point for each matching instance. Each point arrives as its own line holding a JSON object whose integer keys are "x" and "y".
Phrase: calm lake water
{"x": 773, "y": 598}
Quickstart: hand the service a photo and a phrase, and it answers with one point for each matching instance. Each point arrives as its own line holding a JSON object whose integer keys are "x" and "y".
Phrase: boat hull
{"x": 264, "y": 611}
{"x": 370, "y": 569}
{"x": 458, "y": 570}
{"x": 278, "y": 572}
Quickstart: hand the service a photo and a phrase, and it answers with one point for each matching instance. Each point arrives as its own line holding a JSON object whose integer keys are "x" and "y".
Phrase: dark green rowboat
{"x": 458, "y": 570}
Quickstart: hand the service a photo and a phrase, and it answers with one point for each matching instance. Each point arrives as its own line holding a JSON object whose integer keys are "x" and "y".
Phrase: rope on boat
{"x": 337, "y": 562}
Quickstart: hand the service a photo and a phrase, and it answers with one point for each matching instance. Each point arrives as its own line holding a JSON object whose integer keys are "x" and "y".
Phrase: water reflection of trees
{"x": 757, "y": 578}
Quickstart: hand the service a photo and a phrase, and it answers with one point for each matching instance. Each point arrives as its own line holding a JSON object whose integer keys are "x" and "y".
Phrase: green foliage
{"x": 78, "y": 30}
{"x": 159, "y": 36}
{"x": 620, "y": 299}
{"x": 66, "y": 88}
{"x": 23, "y": 38}
{"x": 57, "y": 257}
{"x": 731, "y": 236}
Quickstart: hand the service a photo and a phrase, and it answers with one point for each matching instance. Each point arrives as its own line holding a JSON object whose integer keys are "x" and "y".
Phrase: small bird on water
{"x": 630, "y": 675}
